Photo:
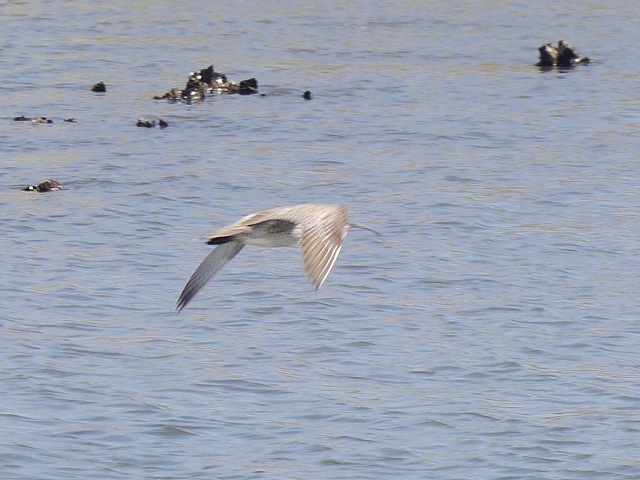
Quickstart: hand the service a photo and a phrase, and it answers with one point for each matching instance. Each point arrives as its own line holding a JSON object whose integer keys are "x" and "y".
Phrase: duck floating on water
{"x": 151, "y": 123}
{"x": 48, "y": 186}
{"x": 40, "y": 119}
{"x": 99, "y": 87}
{"x": 561, "y": 56}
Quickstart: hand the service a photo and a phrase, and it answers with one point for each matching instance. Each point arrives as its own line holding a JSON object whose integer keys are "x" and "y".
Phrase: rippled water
{"x": 493, "y": 334}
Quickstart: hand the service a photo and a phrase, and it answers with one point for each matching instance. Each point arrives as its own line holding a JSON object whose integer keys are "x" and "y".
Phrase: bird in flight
{"x": 318, "y": 230}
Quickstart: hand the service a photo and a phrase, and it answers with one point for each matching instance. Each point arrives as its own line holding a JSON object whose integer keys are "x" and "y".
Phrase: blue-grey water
{"x": 493, "y": 334}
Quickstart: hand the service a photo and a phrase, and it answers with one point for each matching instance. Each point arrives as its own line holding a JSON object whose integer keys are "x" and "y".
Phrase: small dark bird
{"x": 548, "y": 56}
{"x": 248, "y": 87}
{"x": 567, "y": 56}
{"x": 307, "y": 95}
{"x": 151, "y": 123}
{"x": 145, "y": 123}
{"x": 48, "y": 186}
{"x": 99, "y": 87}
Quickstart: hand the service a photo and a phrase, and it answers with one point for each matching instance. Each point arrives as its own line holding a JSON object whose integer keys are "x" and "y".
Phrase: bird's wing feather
{"x": 213, "y": 262}
{"x": 321, "y": 242}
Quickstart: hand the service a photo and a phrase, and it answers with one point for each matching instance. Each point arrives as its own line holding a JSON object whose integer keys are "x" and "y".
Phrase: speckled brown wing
{"x": 321, "y": 241}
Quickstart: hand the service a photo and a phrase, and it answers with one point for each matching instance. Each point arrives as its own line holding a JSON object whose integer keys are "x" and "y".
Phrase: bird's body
{"x": 48, "y": 186}
{"x": 317, "y": 229}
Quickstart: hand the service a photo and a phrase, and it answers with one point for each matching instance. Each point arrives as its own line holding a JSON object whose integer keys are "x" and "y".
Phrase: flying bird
{"x": 318, "y": 230}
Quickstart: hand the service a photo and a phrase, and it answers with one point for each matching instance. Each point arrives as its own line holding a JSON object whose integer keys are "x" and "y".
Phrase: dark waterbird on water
{"x": 561, "y": 56}
{"x": 99, "y": 87}
{"x": 48, "y": 186}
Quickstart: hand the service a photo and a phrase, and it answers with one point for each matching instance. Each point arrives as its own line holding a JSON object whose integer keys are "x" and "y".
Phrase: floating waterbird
{"x": 562, "y": 56}
{"x": 48, "y": 186}
{"x": 99, "y": 87}
{"x": 151, "y": 123}
{"x": 317, "y": 229}
{"x": 38, "y": 119}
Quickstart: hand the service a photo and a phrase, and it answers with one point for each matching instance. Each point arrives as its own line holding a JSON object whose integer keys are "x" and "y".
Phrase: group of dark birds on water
{"x": 561, "y": 56}
{"x": 317, "y": 230}
{"x": 207, "y": 82}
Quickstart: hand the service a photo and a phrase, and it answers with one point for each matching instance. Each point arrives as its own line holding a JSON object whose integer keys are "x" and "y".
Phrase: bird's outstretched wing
{"x": 321, "y": 242}
{"x": 213, "y": 262}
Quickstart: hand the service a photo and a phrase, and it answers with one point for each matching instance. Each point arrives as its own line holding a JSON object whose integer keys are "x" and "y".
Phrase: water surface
{"x": 493, "y": 334}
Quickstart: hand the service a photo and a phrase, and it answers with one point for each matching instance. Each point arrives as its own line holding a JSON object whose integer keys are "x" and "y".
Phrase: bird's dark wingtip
{"x": 220, "y": 240}
{"x": 182, "y": 302}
